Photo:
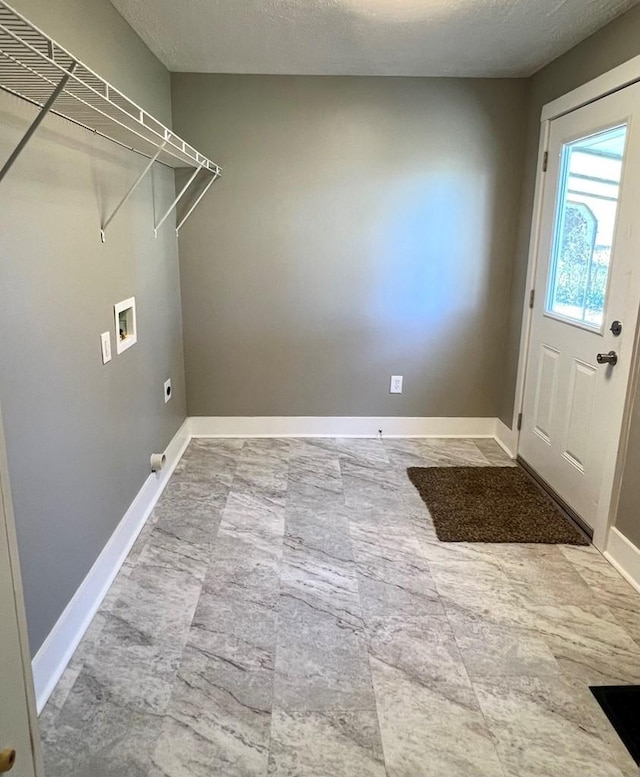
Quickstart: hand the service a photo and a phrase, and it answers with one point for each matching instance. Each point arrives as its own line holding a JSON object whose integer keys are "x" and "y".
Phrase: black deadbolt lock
{"x": 616, "y": 328}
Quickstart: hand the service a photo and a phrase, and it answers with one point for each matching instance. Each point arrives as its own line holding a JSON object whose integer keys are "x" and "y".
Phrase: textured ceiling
{"x": 365, "y": 37}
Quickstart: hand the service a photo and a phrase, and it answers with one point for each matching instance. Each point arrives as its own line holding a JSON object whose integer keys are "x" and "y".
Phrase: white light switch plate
{"x": 105, "y": 341}
{"x": 396, "y": 384}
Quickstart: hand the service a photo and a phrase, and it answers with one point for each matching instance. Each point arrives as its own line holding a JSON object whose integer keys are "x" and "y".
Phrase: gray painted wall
{"x": 365, "y": 228}
{"x": 611, "y": 46}
{"x": 79, "y": 434}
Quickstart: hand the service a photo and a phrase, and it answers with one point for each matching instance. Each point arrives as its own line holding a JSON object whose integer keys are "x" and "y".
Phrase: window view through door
{"x": 591, "y": 170}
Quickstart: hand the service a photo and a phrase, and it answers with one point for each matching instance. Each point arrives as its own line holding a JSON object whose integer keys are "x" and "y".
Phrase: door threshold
{"x": 568, "y": 512}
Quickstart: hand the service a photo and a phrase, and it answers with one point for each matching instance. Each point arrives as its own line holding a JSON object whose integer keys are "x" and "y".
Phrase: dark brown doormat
{"x": 491, "y": 504}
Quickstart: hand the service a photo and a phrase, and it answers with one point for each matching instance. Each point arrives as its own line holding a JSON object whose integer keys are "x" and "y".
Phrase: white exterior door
{"x": 587, "y": 278}
{"x": 18, "y": 729}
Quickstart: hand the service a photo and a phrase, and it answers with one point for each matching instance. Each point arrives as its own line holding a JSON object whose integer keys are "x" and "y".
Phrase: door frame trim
{"x": 612, "y": 81}
{"x": 18, "y": 594}
{"x": 606, "y": 84}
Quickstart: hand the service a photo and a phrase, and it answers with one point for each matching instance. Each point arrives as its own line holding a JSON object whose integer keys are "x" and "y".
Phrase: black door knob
{"x": 607, "y": 358}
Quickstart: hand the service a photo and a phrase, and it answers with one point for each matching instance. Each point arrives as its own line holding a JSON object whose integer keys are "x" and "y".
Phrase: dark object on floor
{"x": 491, "y": 504}
{"x": 621, "y": 704}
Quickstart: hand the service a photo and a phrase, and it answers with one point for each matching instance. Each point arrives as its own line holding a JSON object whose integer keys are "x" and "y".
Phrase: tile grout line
{"x": 366, "y": 639}
{"x": 489, "y": 728}
{"x": 366, "y": 636}
{"x": 165, "y": 715}
{"x": 278, "y": 613}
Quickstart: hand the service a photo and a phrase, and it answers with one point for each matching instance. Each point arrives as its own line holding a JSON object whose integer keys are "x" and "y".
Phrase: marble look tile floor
{"x": 288, "y": 611}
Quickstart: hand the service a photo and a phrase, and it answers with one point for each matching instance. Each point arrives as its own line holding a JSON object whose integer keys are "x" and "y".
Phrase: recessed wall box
{"x": 126, "y": 327}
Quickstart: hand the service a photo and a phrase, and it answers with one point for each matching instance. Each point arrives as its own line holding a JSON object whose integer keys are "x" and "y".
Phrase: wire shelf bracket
{"x": 174, "y": 204}
{"x": 138, "y": 181}
{"x": 38, "y": 70}
{"x": 195, "y": 204}
{"x": 36, "y": 123}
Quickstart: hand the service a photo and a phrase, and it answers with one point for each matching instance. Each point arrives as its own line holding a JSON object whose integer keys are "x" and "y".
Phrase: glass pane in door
{"x": 590, "y": 174}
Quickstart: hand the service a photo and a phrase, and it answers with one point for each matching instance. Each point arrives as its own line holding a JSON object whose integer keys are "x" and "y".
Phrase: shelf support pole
{"x": 37, "y": 121}
{"x": 214, "y": 178}
{"x": 177, "y": 200}
{"x": 137, "y": 182}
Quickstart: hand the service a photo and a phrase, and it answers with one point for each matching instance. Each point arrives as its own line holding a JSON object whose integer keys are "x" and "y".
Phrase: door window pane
{"x": 590, "y": 174}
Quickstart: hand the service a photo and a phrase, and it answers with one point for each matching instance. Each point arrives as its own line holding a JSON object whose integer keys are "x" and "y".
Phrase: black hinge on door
{"x": 532, "y": 297}
{"x": 519, "y": 421}
{"x": 545, "y": 161}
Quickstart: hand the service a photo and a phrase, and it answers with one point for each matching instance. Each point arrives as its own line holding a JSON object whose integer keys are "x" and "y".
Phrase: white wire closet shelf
{"x": 37, "y": 69}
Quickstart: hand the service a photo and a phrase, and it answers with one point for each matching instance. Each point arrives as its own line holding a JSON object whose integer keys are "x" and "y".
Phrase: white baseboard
{"x": 506, "y": 438}
{"x": 321, "y": 426}
{"x": 624, "y": 556}
{"x": 51, "y": 660}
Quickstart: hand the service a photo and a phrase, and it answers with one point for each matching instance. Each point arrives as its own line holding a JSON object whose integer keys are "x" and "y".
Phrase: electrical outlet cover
{"x": 168, "y": 390}
{"x": 105, "y": 342}
{"x": 396, "y": 384}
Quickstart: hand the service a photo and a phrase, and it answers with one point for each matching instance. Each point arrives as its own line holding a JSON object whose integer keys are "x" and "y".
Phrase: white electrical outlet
{"x": 168, "y": 391}
{"x": 105, "y": 342}
{"x": 396, "y": 384}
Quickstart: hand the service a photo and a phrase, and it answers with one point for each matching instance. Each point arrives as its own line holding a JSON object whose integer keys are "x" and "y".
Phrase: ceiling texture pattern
{"x": 489, "y": 38}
